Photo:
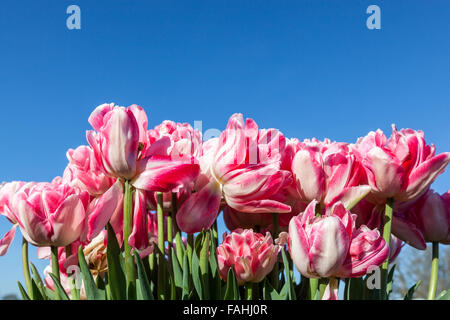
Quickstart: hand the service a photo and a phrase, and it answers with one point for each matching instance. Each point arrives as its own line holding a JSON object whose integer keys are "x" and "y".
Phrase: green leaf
{"x": 38, "y": 281}
{"x": 354, "y": 288}
{"x": 23, "y": 292}
{"x": 232, "y": 290}
{"x": 186, "y": 290}
{"x": 410, "y": 294}
{"x": 36, "y": 292}
{"x": 116, "y": 275}
{"x": 196, "y": 279}
{"x": 58, "y": 287}
{"x": 444, "y": 295}
{"x": 289, "y": 281}
{"x": 144, "y": 289}
{"x": 177, "y": 272}
{"x": 89, "y": 284}
{"x": 269, "y": 292}
{"x": 390, "y": 280}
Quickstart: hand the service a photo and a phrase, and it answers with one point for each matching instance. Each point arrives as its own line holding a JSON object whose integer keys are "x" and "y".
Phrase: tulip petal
{"x": 200, "y": 210}
{"x": 162, "y": 174}
{"x": 7, "y": 239}
{"x": 101, "y": 211}
{"x": 408, "y": 232}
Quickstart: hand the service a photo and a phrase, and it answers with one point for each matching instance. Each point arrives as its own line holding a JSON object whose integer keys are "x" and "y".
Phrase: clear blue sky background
{"x": 309, "y": 68}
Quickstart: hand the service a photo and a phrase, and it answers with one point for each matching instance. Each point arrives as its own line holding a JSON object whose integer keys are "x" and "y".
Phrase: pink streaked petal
{"x": 7, "y": 239}
{"x": 329, "y": 246}
{"x": 257, "y": 206}
{"x": 101, "y": 211}
{"x": 422, "y": 176}
{"x": 162, "y": 174}
{"x": 139, "y": 236}
{"x": 299, "y": 247}
{"x": 331, "y": 290}
{"x": 68, "y": 222}
{"x": 408, "y": 232}
{"x": 200, "y": 210}
{"x": 96, "y": 117}
{"x": 350, "y": 197}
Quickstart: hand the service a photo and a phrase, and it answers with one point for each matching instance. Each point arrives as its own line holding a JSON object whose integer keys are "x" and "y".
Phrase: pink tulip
{"x": 51, "y": 214}
{"x": 402, "y": 167}
{"x": 122, "y": 146}
{"x": 244, "y": 168}
{"x": 177, "y": 140}
{"x": 327, "y": 172}
{"x": 319, "y": 245}
{"x": 250, "y": 254}
{"x": 116, "y": 142}
{"x": 426, "y": 220}
{"x": 85, "y": 172}
{"x": 330, "y": 245}
{"x": 367, "y": 250}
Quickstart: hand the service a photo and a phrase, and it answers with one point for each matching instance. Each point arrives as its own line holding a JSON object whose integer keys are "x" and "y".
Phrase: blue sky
{"x": 309, "y": 68}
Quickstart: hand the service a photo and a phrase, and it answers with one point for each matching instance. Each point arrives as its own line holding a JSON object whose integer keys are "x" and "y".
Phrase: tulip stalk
{"x": 73, "y": 289}
{"x": 130, "y": 271}
{"x": 434, "y": 271}
{"x": 55, "y": 268}
{"x": 388, "y": 213}
{"x": 178, "y": 240}
{"x": 275, "y": 231}
{"x": 26, "y": 269}
{"x": 161, "y": 271}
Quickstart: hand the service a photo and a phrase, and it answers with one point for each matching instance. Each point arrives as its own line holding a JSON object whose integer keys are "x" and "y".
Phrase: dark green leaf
{"x": 58, "y": 287}
{"x": 444, "y": 295}
{"x": 92, "y": 293}
{"x": 36, "y": 292}
{"x": 116, "y": 275}
{"x": 23, "y": 292}
{"x": 232, "y": 290}
{"x": 144, "y": 289}
{"x": 177, "y": 272}
{"x": 390, "y": 280}
{"x": 186, "y": 290}
{"x": 269, "y": 292}
{"x": 196, "y": 279}
{"x": 38, "y": 281}
{"x": 289, "y": 281}
{"x": 410, "y": 294}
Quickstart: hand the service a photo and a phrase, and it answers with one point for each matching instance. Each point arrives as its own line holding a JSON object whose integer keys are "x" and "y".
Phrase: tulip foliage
{"x": 134, "y": 214}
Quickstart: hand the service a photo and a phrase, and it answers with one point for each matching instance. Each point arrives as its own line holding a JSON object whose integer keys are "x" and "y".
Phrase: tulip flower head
{"x": 250, "y": 254}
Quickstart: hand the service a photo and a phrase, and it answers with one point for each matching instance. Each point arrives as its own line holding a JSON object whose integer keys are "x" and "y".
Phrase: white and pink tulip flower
{"x": 244, "y": 168}
{"x": 120, "y": 143}
{"x": 85, "y": 172}
{"x": 327, "y": 172}
{"x": 401, "y": 167}
{"x": 426, "y": 220}
{"x": 51, "y": 214}
{"x": 329, "y": 245}
{"x": 251, "y": 255}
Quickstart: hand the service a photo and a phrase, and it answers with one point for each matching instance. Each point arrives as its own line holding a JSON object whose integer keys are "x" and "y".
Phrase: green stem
{"x": 388, "y": 212}
{"x": 26, "y": 269}
{"x": 215, "y": 234}
{"x": 73, "y": 289}
{"x": 434, "y": 272}
{"x": 204, "y": 263}
{"x": 249, "y": 291}
{"x": 161, "y": 271}
{"x": 130, "y": 270}
{"x": 170, "y": 218}
{"x": 313, "y": 286}
{"x": 189, "y": 248}
{"x": 55, "y": 269}
{"x": 275, "y": 272}
{"x": 178, "y": 241}
{"x": 323, "y": 282}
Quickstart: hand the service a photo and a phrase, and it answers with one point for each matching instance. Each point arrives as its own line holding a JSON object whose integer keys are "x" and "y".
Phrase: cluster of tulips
{"x": 134, "y": 215}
